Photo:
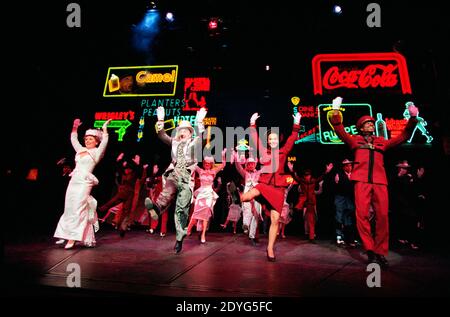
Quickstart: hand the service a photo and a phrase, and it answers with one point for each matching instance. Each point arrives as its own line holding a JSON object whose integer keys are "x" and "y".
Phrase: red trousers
{"x": 309, "y": 215}
{"x": 154, "y": 223}
{"x": 376, "y": 195}
{"x": 310, "y": 220}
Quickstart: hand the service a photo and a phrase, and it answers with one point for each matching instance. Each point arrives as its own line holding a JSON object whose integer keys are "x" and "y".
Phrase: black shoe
{"x": 270, "y": 258}
{"x": 371, "y": 257}
{"x": 255, "y": 241}
{"x": 122, "y": 233}
{"x": 313, "y": 241}
{"x": 178, "y": 246}
{"x": 151, "y": 208}
{"x": 381, "y": 260}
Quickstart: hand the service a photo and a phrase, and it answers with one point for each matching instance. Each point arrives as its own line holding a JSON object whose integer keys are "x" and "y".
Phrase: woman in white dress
{"x": 79, "y": 219}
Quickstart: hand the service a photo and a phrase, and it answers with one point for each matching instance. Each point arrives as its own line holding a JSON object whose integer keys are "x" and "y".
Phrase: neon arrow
{"x": 120, "y": 125}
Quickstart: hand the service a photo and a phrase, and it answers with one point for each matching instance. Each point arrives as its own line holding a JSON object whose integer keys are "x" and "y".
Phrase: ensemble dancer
{"x": 79, "y": 220}
{"x": 370, "y": 179}
{"x": 205, "y": 195}
{"x": 272, "y": 181}
{"x": 179, "y": 175}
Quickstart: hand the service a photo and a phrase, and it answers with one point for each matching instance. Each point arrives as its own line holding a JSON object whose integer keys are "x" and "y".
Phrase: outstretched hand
{"x": 290, "y": 166}
{"x": 160, "y": 113}
{"x": 337, "y": 103}
{"x": 201, "y": 114}
{"x": 297, "y": 118}
{"x": 105, "y": 125}
{"x": 76, "y": 123}
{"x": 253, "y": 118}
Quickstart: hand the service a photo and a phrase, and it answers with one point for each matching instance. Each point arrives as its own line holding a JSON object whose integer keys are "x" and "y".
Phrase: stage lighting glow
{"x": 337, "y": 9}
{"x": 145, "y": 32}
{"x": 169, "y": 17}
{"x": 212, "y": 25}
{"x": 267, "y": 67}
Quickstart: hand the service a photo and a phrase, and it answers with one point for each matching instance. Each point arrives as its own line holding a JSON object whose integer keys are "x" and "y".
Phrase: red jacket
{"x": 369, "y": 159}
{"x": 275, "y": 160}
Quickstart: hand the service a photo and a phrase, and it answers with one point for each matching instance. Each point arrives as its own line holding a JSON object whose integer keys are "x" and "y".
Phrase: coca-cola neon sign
{"x": 380, "y": 70}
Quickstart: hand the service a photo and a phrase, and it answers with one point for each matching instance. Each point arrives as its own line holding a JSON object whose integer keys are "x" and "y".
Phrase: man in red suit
{"x": 370, "y": 178}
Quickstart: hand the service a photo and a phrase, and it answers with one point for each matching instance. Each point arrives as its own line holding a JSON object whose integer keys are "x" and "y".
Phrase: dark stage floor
{"x": 226, "y": 266}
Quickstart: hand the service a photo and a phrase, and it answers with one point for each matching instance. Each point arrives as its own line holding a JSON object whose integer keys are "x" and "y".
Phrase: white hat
{"x": 208, "y": 159}
{"x": 94, "y": 132}
{"x": 251, "y": 160}
{"x": 185, "y": 124}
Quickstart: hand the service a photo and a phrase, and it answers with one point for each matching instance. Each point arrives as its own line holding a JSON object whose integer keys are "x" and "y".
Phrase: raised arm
{"x": 408, "y": 130}
{"x": 162, "y": 135}
{"x": 238, "y": 165}
{"x": 74, "y": 135}
{"x": 294, "y": 134}
{"x": 200, "y": 116}
{"x": 336, "y": 121}
{"x": 104, "y": 142}
{"x": 220, "y": 167}
{"x": 254, "y": 138}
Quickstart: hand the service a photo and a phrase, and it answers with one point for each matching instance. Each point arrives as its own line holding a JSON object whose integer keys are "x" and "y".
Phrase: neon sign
{"x": 308, "y": 126}
{"x": 351, "y": 113}
{"x": 421, "y": 124}
{"x": 114, "y": 115}
{"x": 120, "y": 125}
{"x": 195, "y": 90}
{"x": 359, "y": 71}
{"x": 139, "y": 81}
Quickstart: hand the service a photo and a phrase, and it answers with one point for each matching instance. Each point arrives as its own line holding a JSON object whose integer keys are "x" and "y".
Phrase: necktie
{"x": 181, "y": 160}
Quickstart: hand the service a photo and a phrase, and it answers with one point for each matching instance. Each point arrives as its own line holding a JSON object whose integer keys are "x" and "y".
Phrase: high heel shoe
{"x": 270, "y": 258}
{"x": 70, "y": 244}
{"x": 60, "y": 241}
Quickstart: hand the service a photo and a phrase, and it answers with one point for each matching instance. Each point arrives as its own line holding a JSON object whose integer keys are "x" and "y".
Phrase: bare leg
{"x": 274, "y": 217}
{"x": 283, "y": 225}
{"x": 191, "y": 224}
{"x": 248, "y": 196}
{"x": 205, "y": 225}
{"x": 224, "y": 225}
{"x": 234, "y": 226}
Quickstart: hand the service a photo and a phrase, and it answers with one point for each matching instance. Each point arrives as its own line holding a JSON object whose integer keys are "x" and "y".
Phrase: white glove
{"x": 297, "y": 118}
{"x": 105, "y": 125}
{"x": 160, "y": 112}
{"x": 201, "y": 114}
{"x": 253, "y": 118}
{"x": 337, "y": 103}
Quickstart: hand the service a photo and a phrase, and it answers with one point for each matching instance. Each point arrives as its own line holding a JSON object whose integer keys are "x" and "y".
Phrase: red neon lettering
{"x": 373, "y": 75}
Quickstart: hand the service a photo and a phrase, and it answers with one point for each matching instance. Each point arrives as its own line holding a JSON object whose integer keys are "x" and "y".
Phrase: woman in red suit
{"x": 272, "y": 181}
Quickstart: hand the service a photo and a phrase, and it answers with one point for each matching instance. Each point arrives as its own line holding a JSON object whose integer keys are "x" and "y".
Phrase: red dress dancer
{"x": 272, "y": 181}
{"x": 370, "y": 178}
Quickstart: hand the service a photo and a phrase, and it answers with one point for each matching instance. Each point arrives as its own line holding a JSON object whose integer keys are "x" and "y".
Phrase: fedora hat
{"x": 186, "y": 125}
{"x": 403, "y": 164}
{"x": 346, "y": 161}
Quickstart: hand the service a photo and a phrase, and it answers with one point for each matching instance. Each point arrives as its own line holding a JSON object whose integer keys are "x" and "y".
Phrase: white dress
{"x": 79, "y": 219}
